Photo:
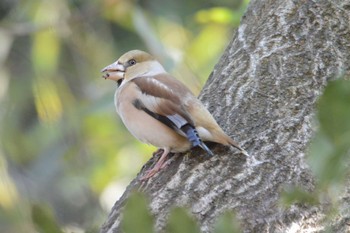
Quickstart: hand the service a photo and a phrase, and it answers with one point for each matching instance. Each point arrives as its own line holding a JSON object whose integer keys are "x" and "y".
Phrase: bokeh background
{"x": 64, "y": 153}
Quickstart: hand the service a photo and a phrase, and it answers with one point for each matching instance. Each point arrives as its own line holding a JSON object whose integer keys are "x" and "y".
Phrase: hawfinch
{"x": 158, "y": 109}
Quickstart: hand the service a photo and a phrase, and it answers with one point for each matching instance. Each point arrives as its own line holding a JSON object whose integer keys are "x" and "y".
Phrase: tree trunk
{"x": 263, "y": 92}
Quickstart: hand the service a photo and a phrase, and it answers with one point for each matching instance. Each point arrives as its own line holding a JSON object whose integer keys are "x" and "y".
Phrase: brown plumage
{"x": 158, "y": 109}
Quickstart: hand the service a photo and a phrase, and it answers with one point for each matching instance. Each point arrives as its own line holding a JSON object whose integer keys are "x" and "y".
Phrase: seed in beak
{"x": 105, "y": 76}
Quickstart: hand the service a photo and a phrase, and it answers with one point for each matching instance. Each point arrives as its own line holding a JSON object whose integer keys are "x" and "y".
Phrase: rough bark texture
{"x": 263, "y": 92}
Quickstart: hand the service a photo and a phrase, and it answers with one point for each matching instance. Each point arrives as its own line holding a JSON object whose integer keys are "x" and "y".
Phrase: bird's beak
{"x": 114, "y": 71}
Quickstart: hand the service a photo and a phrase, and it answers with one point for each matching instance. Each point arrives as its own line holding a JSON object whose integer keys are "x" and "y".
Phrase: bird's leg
{"x": 156, "y": 167}
{"x": 158, "y": 152}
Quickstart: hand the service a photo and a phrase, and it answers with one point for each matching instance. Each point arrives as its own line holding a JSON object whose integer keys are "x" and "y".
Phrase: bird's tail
{"x": 193, "y": 137}
{"x": 235, "y": 144}
{"x": 227, "y": 140}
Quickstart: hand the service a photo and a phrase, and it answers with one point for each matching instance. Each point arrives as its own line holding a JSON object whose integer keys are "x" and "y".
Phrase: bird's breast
{"x": 143, "y": 126}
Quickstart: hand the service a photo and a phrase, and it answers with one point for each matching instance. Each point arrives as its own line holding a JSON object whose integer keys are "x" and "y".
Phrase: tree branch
{"x": 263, "y": 93}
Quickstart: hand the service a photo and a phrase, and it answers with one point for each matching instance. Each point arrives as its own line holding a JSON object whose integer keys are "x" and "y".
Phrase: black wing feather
{"x": 177, "y": 124}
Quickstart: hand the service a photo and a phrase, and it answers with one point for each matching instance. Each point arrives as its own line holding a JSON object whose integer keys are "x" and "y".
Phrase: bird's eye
{"x": 131, "y": 62}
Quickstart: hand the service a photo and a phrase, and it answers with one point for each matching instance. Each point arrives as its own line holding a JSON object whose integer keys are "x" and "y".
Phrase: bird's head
{"x": 131, "y": 65}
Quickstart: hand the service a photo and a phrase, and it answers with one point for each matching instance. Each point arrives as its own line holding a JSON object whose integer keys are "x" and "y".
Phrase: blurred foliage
{"x": 63, "y": 150}
{"x": 44, "y": 220}
{"x": 329, "y": 151}
{"x": 181, "y": 222}
{"x": 62, "y": 145}
{"x": 137, "y": 218}
{"x": 227, "y": 223}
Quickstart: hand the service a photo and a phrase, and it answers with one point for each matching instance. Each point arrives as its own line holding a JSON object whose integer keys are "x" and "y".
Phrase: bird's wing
{"x": 164, "y": 95}
{"x": 164, "y": 98}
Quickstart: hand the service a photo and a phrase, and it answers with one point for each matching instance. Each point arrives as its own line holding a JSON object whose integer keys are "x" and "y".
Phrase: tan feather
{"x": 160, "y": 110}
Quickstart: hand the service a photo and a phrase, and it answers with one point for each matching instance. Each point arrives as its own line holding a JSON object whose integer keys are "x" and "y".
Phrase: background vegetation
{"x": 62, "y": 147}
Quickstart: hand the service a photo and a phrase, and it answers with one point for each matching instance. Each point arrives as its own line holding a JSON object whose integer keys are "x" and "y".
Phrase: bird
{"x": 160, "y": 110}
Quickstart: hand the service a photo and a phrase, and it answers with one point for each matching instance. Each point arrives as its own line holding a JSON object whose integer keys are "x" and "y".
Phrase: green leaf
{"x": 180, "y": 222}
{"x": 136, "y": 216}
{"x": 334, "y": 112}
{"x": 296, "y": 195}
{"x": 44, "y": 219}
{"x": 227, "y": 223}
{"x": 329, "y": 149}
{"x": 320, "y": 150}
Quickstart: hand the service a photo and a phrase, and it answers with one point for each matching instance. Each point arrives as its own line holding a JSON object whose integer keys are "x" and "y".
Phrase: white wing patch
{"x": 178, "y": 120}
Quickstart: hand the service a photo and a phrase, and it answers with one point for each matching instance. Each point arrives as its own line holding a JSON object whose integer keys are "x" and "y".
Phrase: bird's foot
{"x": 158, "y": 166}
{"x": 150, "y": 173}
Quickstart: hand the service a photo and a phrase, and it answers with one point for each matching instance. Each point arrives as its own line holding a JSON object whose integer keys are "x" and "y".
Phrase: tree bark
{"x": 263, "y": 92}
